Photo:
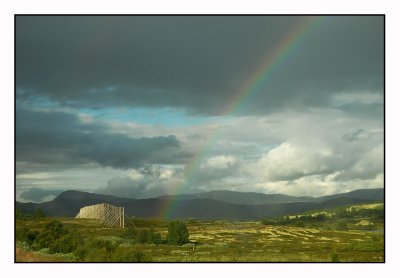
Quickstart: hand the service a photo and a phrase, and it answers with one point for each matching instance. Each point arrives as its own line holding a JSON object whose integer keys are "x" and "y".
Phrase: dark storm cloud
{"x": 125, "y": 187}
{"x": 60, "y": 137}
{"x": 124, "y": 152}
{"x": 192, "y": 62}
{"x": 37, "y": 195}
{"x": 354, "y": 136}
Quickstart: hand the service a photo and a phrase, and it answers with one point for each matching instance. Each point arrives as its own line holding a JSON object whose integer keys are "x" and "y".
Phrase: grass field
{"x": 223, "y": 241}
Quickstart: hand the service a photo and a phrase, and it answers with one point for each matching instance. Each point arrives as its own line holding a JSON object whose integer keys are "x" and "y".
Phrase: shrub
{"x": 268, "y": 222}
{"x": 97, "y": 255}
{"x": 96, "y": 250}
{"x": 52, "y": 231}
{"x": 147, "y": 236}
{"x": 130, "y": 233}
{"x": 55, "y": 228}
{"x": 335, "y": 258}
{"x": 100, "y": 250}
{"x": 20, "y": 233}
{"x": 107, "y": 245}
{"x": 299, "y": 223}
{"x": 342, "y": 212}
{"x": 25, "y": 235}
{"x": 66, "y": 243}
{"x": 154, "y": 237}
{"x": 57, "y": 238}
{"x": 19, "y": 214}
{"x": 142, "y": 236}
{"x": 81, "y": 251}
{"x": 39, "y": 213}
{"x": 342, "y": 226}
{"x": 31, "y": 237}
{"x": 192, "y": 221}
{"x": 177, "y": 233}
{"x": 128, "y": 255}
{"x": 319, "y": 217}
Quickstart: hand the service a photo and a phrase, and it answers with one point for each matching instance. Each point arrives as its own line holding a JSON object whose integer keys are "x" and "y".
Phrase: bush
{"x": 96, "y": 250}
{"x": 147, "y": 236}
{"x": 342, "y": 226}
{"x": 178, "y": 233}
{"x": 100, "y": 250}
{"x": 268, "y": 222}
{"x": 25, "y": 235}
{"x": 97, "y": 255}
{"x": 39, "y": 213}
{"x": 19, "y": 214}
{"x": 51, "y": 233}
{"x": 81, "y": 252}
{"x": 335, "y": 258}
{"x": 130, "y": 233}
{"x": 55, "y": 228}
{"x": 299, "y": 223}
{"x": 128, "y": 255}
{"x": 154, "y": 238}
{"x": 57, "y": 238}
{"x": 20, "y": 233}
{"x": 142, "y": 236}
{"x": 66, "y": 243}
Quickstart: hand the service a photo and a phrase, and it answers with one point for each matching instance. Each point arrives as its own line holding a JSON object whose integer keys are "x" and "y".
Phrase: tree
{"x": 177, "y": 233}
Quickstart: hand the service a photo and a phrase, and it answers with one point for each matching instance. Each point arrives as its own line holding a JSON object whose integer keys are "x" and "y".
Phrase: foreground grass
{"x": 24, "y": 255}
{"x": 222, "y": 241}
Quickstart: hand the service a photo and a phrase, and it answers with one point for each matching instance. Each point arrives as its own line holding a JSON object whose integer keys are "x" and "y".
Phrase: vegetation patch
{"x": 84, "y": 240}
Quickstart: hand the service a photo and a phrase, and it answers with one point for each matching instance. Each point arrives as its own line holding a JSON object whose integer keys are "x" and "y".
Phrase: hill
{"x": 252, "y": 198}
{"x": 205, "y": 205}
{"x": 244, "y": 198}
{"x": 376, "y": 194}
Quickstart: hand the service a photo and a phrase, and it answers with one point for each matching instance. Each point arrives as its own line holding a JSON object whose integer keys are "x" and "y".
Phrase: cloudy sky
{"x": 143, "y": 106}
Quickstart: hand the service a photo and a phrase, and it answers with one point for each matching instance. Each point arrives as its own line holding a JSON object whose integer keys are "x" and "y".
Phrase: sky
{"x": 143, "y": 106}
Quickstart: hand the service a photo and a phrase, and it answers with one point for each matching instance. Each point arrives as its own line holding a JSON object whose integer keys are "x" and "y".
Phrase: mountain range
{"x": 220, "y": 204}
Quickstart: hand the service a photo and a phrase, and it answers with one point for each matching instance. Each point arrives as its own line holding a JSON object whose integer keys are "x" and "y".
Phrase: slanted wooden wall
{"x": 109, "y": 215}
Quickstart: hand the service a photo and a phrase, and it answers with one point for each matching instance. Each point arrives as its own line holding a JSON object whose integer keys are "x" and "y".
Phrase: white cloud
{"x": 135, "y": 175}
{"x": 85, "y": 118}
{"x": 357, "y": 97}
{"x": 288, "y": 161}
{"x": 145, "y": 182}
{"x": 166, "y": 174}
{"x": 219, "y": 162}
{"x": 368, "y": 165}
{"x": 318, "y": 185}
{"x": 35, "y": 175}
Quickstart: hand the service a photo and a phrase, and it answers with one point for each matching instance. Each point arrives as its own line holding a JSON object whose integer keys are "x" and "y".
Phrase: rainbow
{"x": 257, "y": 80}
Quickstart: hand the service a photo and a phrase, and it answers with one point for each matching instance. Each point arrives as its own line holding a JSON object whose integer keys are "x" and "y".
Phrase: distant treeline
{"x": 298, "y": 220}
{"x": 320, "y": 216}
{"x": 19, "y": 214}
{"x": 346, "y": 212}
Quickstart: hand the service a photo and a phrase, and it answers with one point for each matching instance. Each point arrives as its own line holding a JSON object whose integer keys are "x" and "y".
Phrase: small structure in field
{"x": 109, "y": 215}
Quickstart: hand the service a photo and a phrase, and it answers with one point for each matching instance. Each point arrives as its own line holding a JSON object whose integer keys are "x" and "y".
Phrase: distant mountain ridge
{"x": 253, "y": 198}
{"x": 229, "y": 205}
{"x": 244, "y": 198}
